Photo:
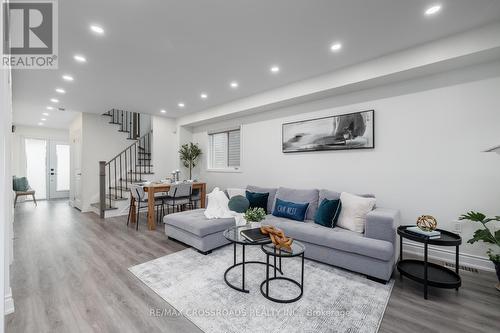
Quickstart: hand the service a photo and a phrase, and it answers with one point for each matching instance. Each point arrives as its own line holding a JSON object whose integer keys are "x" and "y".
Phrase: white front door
{"x": 59, "y": 170}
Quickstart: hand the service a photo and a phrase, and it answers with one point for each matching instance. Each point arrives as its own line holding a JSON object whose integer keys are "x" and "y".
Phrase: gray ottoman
{"x": 194, "y": 229}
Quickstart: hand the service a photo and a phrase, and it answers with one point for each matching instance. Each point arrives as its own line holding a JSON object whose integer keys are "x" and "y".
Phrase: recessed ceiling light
{"x": 46, "y": 114}
{"x": 274, "y": 69}
{"x": 234, "y": 84}
{"x": 163, "y": 111}
{"x": 60, "y": 90}
{"x": 433, "y": 10}
{"x": 181, "y": 105}
{"x": 54, "y": 100}
{"x": 43, "y": 119}
{"x": 203, "y": 95}
{"x": 97, "y": 29}
{"x": 79, "y": 58}
{"x": 335, "y": 47}
{"x": 50, "y": 108}
{"x": 40, "y": 124}
{"x": 67, "y": 77}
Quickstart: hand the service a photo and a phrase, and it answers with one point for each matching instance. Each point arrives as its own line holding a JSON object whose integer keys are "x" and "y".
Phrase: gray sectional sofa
{"x": 373, "y": 253}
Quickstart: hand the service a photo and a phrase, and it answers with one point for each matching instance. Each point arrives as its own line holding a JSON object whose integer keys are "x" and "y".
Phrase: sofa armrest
{"x": 381, "y": 223}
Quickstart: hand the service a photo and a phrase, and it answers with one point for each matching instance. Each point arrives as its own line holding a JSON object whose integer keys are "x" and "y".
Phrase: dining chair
{"x": 178, "y": 196}
{"x": 195, "y": 198}
{"x": 141, "y": 203}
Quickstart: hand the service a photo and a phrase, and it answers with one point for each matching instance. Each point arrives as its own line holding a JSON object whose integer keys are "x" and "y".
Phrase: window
{"x": 224, "y": 149}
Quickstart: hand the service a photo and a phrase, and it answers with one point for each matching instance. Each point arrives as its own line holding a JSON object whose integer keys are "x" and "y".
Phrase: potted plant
{"x": 486, "y": 235}
{"x": 255, "y": 214}
{"x": 189, "y": 154}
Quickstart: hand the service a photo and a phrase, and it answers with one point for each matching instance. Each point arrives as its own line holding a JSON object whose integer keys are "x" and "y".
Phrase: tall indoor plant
{"x": 189, "y": 154}
{"x": 486, "y": 235}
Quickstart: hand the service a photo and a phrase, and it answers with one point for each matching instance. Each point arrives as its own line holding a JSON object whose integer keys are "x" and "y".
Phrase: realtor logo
{"x": 29, "y": 35}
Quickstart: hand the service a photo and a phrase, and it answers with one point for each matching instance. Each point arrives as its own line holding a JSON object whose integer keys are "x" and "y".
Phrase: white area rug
{"x": 334, "y": 300}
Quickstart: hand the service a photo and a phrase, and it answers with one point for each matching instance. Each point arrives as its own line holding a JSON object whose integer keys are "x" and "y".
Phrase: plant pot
{"x": 497, "y": 268}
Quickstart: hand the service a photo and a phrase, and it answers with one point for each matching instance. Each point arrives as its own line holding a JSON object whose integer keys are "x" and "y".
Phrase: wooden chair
{"x": 28, "y": 192}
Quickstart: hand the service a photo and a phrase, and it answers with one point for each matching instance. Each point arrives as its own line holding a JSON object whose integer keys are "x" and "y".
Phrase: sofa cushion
{"x": 195, "y": 222}
{"x": 238, "y": 204}
{"x": 335, "y": 238}
{"x": 270, "y": 199}
{"x": 329, "y": 195}
{"x": 290, "y": 210}
{"x": 328, "y": 213}
{"x": 257, "y": 200}
{"x": 300, "y": 196}
{"x": 354, "y": 211}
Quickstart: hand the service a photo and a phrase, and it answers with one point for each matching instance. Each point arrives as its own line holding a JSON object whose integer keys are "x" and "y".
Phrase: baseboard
{"x": 9, "y": 303}
{"x": 440, "y": 253}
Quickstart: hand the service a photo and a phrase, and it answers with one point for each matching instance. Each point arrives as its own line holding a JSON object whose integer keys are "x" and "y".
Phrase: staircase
{"x": 131, "y": 165}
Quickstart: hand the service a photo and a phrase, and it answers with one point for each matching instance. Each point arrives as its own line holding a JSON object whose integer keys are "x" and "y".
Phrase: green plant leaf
{"x": 482, "y": 235}
{"x": 473, "y": 216}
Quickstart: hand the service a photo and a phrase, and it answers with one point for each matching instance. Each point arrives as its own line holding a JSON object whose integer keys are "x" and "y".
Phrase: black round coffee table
{"x": 233, "y": 234}
{"x": 429, "y": 274}
{"x": 297, "y": 249}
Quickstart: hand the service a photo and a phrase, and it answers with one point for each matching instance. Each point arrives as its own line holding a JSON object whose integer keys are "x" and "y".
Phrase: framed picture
{"x": 347, "y": 131}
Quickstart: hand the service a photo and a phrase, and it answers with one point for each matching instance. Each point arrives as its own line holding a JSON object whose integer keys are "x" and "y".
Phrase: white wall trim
{"x": 9, "y": 303}
{"x": 448, "y": 255}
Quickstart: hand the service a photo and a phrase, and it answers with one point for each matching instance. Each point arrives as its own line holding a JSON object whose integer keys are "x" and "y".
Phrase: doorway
{"x": 48, "y": 168}
{"x": 58, "y": 174}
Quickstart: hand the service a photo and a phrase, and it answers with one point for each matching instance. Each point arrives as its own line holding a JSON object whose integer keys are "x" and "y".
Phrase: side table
{"x": 430, "y": 274}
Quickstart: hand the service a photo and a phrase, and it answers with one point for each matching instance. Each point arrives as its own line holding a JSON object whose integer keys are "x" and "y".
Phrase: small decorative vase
{"x": 497, "y": 268}
{"x": 427, "y": 223}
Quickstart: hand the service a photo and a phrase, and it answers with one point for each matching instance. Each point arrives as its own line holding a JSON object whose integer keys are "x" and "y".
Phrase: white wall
{"x": 165, "y": 148}
{"x": 22, "y": 132}
{"x": 6, "y": 204}
{"x": 101, "y": 141}
{"x": 429, "y": 134}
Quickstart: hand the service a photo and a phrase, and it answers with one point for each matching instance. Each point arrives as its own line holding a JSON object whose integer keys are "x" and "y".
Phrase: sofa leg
{"x": 376, "y": 279}
{"x": 204, "y": 253}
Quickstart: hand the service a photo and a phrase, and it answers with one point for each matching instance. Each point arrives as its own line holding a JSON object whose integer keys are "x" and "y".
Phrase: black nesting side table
{"x": 430, "y": 274}
{"x": 233, "y": 234}
{"x": 297, "y": 250}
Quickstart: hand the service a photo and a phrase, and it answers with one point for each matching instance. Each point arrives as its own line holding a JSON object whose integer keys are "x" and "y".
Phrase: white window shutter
{"x": 233, "y": 159}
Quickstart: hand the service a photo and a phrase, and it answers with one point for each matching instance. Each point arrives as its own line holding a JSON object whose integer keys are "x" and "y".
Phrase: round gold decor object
{"x": 427, "y": 223}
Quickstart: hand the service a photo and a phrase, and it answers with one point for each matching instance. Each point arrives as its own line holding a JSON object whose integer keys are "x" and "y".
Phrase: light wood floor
{"x": 70, "y": 275}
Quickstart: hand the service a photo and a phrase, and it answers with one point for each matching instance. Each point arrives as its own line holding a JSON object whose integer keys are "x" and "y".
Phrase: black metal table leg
{"x": 267, "y": 275}
{"x": 302, "y": 276}
{"x": 456, "y": 263}
{"x": 234, "y": 253}
{"x": 425, "y": 269}
{"x": 243, "y": 270}
{"x": 275, "y": 262}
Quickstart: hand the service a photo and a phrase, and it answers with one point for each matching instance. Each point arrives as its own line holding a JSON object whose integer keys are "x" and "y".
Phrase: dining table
{"x": 153, "y": 188}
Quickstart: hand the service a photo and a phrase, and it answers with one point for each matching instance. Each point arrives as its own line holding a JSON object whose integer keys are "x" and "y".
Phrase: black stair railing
{"x": 124, "y": 169}
{"x": 129, "y": 122}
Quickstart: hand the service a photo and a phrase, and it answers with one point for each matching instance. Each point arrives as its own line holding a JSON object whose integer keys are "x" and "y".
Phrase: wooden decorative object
{"x": 427, "y": 223}
{"x": 277, "y": 237}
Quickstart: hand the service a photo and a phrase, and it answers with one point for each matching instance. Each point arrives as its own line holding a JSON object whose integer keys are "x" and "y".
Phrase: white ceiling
{"x": 155, "y": 54}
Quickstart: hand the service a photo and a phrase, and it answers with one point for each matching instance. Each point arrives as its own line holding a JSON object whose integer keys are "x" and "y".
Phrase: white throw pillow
{"x": 217, "y": 206}
{"x": 353, "y": 211}
{"x": 231, "y": 192}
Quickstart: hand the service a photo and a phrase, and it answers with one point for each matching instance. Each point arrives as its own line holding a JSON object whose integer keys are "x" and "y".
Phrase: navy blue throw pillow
{"x": 290, "y": 210}
{"x": 257, "y": 200}
{"x": 328, "y": 213}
